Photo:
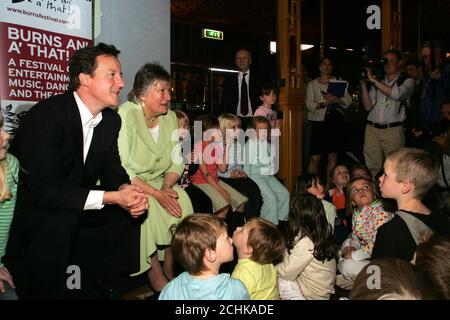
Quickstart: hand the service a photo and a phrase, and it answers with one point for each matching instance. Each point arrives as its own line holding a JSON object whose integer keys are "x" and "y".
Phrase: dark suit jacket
{"x": 231, "y": 92}
{"x": 54, "y": 180}
{"x": 49, "y": 146}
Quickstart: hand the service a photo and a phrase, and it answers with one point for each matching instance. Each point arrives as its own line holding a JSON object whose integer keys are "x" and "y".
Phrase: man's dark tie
{"x": 244, "y": 96}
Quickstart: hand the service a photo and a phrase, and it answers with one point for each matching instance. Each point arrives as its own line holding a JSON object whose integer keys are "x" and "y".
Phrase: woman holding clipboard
{"x": 325, "y": 96}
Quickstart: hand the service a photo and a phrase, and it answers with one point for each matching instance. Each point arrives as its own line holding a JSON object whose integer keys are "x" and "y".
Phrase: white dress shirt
{"x": 94, "y": 200}
{"x": 388, "y": 109}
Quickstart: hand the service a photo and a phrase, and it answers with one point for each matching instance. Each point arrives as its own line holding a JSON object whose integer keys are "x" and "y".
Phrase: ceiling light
{"x": 223, "y": 70}
{"x": 306, "y": 46}
{"x": 273, "y": 47}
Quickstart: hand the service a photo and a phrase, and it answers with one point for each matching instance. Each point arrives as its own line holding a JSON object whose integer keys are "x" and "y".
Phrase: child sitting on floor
{"x": 432, "y": 263}
{"x": 310, "y": 183}
{"x": 261, "y": 166}
{"x": 201, "y": 245}
{"x": 397, "y": 280}
{"x": 336, "y": 195}
{"x": 308, "y": 270}
{"x": 408, "y": 175}
{"x": 368, "y": 216}
{"x": 211, "y": 153}
{"x": 268, "y": 98}
{"x": 259, "y": 245}
{"x": 235, "y": 175}
{"x": 200, "y": 201}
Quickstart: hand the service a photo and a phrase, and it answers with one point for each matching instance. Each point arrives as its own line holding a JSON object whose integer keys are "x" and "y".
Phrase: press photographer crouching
{"x": 386, "y": 102}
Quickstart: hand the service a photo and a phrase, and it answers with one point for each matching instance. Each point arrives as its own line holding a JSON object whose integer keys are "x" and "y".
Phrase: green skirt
{"x": 156, "y": 228}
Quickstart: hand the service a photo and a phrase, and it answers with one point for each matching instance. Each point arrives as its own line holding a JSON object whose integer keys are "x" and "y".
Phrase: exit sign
{"x": 212, "y": 34}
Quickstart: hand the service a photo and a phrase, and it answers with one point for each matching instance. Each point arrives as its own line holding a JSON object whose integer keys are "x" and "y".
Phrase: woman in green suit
{"x": 148, "y": 150}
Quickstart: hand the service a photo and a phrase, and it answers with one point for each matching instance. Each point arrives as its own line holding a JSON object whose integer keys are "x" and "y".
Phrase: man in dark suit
{"x": 71, "y": 178}
{"x": 235, "y": 100}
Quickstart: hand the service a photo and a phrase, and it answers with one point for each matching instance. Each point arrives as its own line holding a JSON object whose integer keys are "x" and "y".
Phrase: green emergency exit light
{"x": 212, "y": 34}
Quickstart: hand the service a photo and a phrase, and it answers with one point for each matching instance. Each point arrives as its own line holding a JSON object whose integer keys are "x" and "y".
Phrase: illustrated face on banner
{"x": 13, "y": 117}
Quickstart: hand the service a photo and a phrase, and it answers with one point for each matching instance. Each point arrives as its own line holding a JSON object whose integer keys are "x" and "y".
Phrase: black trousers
{"x": 250, "y": 189}
{"x": 98, "y": 243}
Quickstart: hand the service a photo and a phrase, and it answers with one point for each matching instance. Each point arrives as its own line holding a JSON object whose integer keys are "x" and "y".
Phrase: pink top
{"x": 209, "y": 151}
{"x": 268, "y": 113}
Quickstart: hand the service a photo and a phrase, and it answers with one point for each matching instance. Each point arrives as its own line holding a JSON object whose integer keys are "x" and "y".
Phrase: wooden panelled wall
{"x": 391, "y": 25}
{"x": 290, "y": 97}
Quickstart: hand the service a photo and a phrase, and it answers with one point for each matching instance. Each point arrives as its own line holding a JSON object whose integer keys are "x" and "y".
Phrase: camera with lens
{"x": 375, "y": 64}
{"x": 377, "y": 67}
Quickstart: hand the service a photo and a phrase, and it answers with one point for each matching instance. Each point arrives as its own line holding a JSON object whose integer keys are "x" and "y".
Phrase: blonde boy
{"x": 259, "y": 246}
{"x": 408, "y": 175}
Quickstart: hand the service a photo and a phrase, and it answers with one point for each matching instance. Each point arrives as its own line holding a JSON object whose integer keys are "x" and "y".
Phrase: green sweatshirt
{"x": 7, "y": 207}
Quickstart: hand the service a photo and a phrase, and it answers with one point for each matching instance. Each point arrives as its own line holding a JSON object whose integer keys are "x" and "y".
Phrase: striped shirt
{"x": 7, "y": 207}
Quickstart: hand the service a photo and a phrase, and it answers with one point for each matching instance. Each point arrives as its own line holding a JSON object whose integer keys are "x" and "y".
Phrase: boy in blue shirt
{"x": 201, "y": 244}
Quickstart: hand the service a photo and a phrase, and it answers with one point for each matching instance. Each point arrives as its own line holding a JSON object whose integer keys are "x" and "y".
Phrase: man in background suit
{"x": 71, "y": 178}
{"x": 242, "y": 104}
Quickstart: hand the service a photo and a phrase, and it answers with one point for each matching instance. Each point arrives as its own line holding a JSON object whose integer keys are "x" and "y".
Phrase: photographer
{"x": 385, "y": 103}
